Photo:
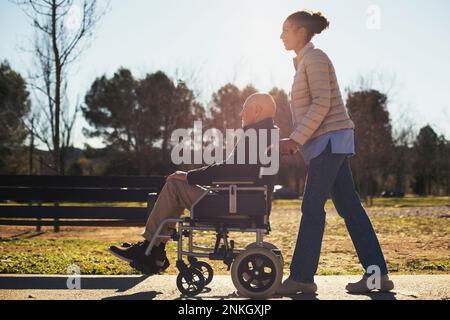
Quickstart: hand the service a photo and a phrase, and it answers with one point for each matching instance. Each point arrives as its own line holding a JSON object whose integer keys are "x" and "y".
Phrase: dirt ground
{"x": 278, "y": 218}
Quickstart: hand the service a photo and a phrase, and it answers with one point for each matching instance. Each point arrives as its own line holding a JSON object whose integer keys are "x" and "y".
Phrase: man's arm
{"x": 178, "y": 175}
{"x": 206, "y": 175}
{"x": 202, "y": 176}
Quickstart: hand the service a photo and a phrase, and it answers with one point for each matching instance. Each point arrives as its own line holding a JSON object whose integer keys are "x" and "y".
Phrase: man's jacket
{"x": 218, "y": 171}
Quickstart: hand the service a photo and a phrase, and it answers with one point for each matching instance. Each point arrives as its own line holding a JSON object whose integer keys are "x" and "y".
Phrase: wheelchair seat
{"x": 235, "y": 203}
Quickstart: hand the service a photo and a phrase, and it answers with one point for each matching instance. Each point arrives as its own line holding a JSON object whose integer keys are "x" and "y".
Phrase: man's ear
{"x": 258, "y": 111}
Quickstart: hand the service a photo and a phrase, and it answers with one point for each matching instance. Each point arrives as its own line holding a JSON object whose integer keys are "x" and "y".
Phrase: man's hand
{"x": 178, "y": 175}
{"x": 288, "y": 147}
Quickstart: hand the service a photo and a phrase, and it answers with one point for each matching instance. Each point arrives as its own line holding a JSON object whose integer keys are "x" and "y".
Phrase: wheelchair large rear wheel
{"x": 257, "y": 273}
{"x": 269, "y": 246}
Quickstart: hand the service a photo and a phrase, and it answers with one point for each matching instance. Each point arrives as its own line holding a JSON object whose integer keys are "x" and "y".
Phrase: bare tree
{"x": 63, "y": 31}
{"x": 379, "y": 80}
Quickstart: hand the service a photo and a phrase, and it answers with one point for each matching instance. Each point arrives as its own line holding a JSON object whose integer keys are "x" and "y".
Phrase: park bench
{"x": 77, "y": 201}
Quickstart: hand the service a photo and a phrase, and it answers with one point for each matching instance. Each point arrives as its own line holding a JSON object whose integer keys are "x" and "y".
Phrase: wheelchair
{"x": 230, "y": 205}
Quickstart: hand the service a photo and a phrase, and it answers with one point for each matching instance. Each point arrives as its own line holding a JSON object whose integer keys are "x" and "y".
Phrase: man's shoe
{"x": 362, "y": 285}
{"x": 157, "y": 258}
{"x": 135, "y": 254}
{"x": 291, "y": 287}
{"x": 129, "y": 252}
{"x": 150, "y": 268}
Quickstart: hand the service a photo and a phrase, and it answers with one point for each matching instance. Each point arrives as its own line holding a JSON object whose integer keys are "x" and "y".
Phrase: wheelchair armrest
{"x": 235, "y": 181}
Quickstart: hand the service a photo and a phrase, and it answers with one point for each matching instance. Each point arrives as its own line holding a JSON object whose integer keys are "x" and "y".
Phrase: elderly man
{"x": 181, "y": 189}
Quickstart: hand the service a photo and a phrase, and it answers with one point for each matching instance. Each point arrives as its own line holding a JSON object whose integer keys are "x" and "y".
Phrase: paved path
{"x": 163, "y": 287}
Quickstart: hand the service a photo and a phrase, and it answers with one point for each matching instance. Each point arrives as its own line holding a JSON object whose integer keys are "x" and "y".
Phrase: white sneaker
{"x": 291, "y": 287}
{"x": 362, "y": 286}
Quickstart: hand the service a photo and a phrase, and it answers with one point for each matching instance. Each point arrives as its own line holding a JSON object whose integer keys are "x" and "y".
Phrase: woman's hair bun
{"x": 318, "y": 23}
{"x": 315, "y": 22}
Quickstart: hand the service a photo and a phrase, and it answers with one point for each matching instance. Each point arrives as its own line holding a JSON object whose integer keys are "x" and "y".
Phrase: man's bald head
{"x": 257, "y": 107}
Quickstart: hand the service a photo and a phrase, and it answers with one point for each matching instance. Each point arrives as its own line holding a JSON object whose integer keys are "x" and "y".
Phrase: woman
{"x": 324, "y": 134}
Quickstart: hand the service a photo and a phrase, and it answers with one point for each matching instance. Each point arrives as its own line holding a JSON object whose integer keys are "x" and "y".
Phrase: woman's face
{"x": 294, "y": 37}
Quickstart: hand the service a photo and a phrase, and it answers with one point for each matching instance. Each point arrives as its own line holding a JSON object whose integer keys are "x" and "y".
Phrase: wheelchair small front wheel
{"x": 206, "y": 270}
{"x": 257, "y": 273}
{"x": 190, "y": 282}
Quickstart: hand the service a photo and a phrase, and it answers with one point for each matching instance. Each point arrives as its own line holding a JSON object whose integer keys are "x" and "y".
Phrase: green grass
{"x": 41, "y": 256}
{"x": 425, "y": 264}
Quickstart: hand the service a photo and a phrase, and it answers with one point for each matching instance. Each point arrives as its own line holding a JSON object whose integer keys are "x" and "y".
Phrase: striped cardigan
{"x": 316, "y": 103}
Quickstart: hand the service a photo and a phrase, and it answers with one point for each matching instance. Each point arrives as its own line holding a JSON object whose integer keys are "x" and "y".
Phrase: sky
{"x": 210, "y": 43}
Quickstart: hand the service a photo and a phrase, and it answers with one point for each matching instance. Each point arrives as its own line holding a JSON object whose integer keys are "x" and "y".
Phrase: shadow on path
{"x": 60, "y": 283}
{"x": 235, "y": 295}
{"x": 150, "y": 295}
{"x": 378, "y": 295}
{"x": 22, "y": 235}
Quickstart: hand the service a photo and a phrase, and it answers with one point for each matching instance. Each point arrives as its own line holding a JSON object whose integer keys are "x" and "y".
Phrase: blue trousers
{"x": 328, "y": 174}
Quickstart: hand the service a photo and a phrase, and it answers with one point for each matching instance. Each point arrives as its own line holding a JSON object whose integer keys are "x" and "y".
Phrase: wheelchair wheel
{"x": 191, "y": 282}
{"x": 206, "y": 270}
{"x": 257, "y": 273}
{"x": 269, "y": 246}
